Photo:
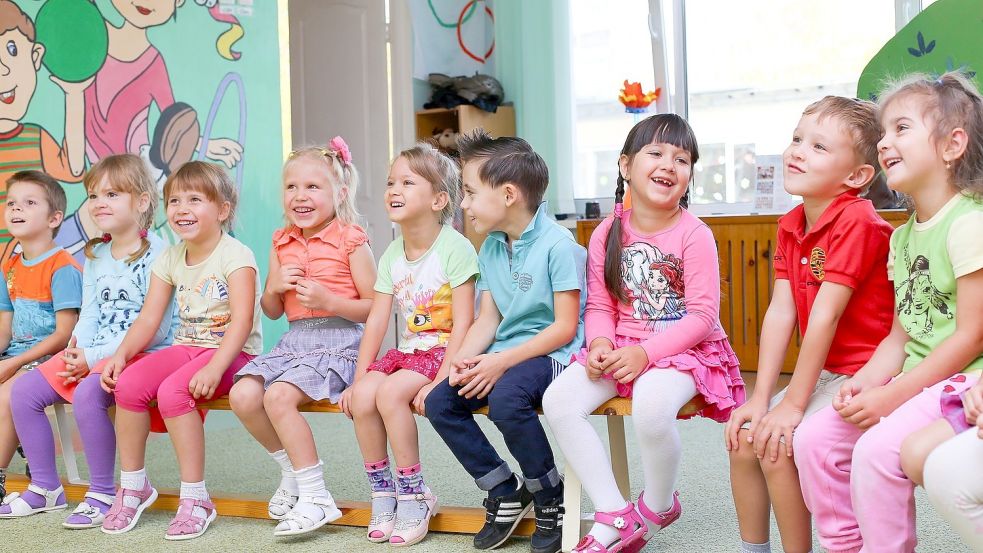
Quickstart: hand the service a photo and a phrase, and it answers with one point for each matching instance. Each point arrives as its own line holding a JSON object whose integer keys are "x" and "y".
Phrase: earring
{"x": 948, "y": 165}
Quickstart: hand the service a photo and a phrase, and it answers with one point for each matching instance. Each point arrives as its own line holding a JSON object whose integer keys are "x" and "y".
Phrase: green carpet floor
{"x": 235, "y": 463}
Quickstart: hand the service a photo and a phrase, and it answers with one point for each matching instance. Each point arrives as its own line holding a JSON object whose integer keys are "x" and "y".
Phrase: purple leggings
{"x": 30, "y": 395}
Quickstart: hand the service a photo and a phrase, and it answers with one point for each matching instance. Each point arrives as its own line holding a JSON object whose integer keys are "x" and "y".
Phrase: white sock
{"x": 287, "y": 479}
{"x": 310, "y": 482}
{"x": 658, "y": 396}
{"x": 195, "y": 490}
{"x": 755, "y": 547}
{"x": 135, "y": 480}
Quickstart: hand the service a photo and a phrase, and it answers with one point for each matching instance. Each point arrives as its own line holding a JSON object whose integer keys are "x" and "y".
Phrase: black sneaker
{"x": 549, "y": 528}
{"x": 27, "y": 467}
{"x": 502, "y": 515}
{"x": 3, "y": 485}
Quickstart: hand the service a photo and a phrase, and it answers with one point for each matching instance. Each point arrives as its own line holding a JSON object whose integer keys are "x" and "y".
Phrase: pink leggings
{"x": 164, "y": 375}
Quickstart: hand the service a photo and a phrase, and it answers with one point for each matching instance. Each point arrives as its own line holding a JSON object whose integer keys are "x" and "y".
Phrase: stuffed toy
{"x": 445, "y": 140}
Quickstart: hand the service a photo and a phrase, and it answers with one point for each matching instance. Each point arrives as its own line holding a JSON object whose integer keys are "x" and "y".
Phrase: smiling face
{"x": 20, "y": 60}
{"x": 908, "y": 152}
{"x": 409, "y": 196}
{"x": 194, "y": 217}
{"x": 658, "y": 175}
{"x": 308, "y": 195}
{"x": 144, "y": 14}
{"x": 115, "y": 211}
{"x": 28, "y": 214}
{"x": 486, "y": 206}
{"x": 820, "y": 157}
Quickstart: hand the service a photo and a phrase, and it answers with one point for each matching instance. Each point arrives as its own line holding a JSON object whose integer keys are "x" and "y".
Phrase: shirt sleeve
{"x": 66, "y": 288}
{"x": 858, "y": 246}
{"x": 384, "y": 277}
{"x": 780, "y": 259}
{"x": 460, "y": 261}
{"x": 163, "y": 268}
{"x": 601, "y": 316}
{"x": 568, "y": 266}
{"x": 701, "y": 281}
{"x": 892, "y": 247}
{"x": 88, "y": 323}
{"x": 5, "y": 303}
{"x": 354, "y": 237}
{"x": 964, "y": 244}
{"x": 237, "y": 258}
{"x": 482, "y": 284}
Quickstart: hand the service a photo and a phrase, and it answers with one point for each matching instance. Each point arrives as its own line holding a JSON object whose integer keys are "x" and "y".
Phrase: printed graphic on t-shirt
{"x": 654, "y": 282}
{"x": 120, "y": 298}
{"x": 432, "y": 312}
{"x": 211, "y": 294}
{"x": 919, "y": 298}
{"x": 817, "y": 260}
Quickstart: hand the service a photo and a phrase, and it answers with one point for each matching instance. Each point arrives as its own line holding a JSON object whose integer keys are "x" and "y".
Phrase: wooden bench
{"x": 357, "y": 513}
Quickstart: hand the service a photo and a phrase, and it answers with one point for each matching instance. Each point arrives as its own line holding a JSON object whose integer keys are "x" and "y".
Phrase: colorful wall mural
{"x": 170, "y": 80}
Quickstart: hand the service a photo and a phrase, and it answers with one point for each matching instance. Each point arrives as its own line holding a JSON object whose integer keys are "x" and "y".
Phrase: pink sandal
{"x": 185, "y": 525}
{"x": 629, "y": 524}
{"x": 121, "y": 518}
{"x": 659, "y": 520}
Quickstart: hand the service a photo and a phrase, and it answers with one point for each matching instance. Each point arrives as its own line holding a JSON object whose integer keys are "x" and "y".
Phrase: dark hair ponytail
{"x": 613, "y": 245}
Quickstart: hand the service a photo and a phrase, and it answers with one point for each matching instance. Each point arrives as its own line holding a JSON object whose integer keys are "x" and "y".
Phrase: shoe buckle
{"x": 619, "y": 523}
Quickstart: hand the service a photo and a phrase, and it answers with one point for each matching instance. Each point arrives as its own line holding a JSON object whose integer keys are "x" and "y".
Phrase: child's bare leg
{"x": 917, "y": 446}
{"x": 246, "y": 400}
{"x": 188, "y": 436}
{"x": 282, "y": 401}
{"x": 794, "y": 520}
{"x": 8, "y": 435}
{"x": 370, "y": 430}
{"x": 393, "y": 402}
{"x": 750, "y": 491}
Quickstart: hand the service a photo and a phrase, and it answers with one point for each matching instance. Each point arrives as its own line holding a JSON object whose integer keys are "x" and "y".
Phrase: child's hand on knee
{"x": 599, "y": 351}
{"x": 972, "y": 402}
{"x": 626, "y": 364}
{"x": 752, "y": 411}
{"x": 110, "y": 373}
{"x": 778, "y": 424}
{"x": 346, "y": 401}
{"x": 420, "y": 401}
{"x": 204, "y": 383}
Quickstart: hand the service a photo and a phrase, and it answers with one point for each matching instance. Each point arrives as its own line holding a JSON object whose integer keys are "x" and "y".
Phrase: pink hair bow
{"x": 340, "y": 148}
{"x": 619, "y": 210}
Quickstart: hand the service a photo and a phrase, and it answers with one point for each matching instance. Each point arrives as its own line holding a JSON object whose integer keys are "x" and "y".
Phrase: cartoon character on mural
{"x": 654, "y": 282}
{"x": 25, "y": 145}
{"x": 110, "y": 112}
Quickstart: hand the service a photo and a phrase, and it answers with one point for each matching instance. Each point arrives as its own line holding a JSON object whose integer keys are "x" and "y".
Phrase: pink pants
{"x": 164, "y": 375}
{"x": 852, "y": 481}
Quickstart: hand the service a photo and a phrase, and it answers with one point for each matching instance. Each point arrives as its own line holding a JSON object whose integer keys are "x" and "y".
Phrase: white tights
{"x": 658, "y": 396}
{"x": 955, "y": 486}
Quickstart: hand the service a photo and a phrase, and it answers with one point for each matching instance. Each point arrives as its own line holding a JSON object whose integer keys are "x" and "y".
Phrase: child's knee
{"x": 914, "y": 451}
{"x": 743, "y": 457}
{"x": 174, "y": 399}
{"x": 393, "y": 398}
{"x": 281, "y": 399}
{"x": 440, "y": 402}
{"x": 874, "y": 451}
{"x": 90, "y": 397}
{"x": 364, "y": 400}
{"x": 944, "y": 478}
{"x": 246, "y": 397}
{"x": 507, "y": 403}
{"x": 783, "y": 465}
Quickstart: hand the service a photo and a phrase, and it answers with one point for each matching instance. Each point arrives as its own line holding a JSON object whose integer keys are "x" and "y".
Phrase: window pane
{"x": 752, "y": 67}
{"x": 611, "y": 43}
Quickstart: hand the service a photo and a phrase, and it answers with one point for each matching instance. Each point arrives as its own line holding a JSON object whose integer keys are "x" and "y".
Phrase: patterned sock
{"x": 755, "y": 547}
{"x": 135, "y": 480}
{"x": 409, "y": 481}
{"x": 381, "y": 480}
{"x": 195, "y": 490}
{"x": 287, "y": 479}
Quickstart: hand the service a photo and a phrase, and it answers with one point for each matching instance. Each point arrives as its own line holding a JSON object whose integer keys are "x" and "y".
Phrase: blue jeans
{"x": 512, "y": 406}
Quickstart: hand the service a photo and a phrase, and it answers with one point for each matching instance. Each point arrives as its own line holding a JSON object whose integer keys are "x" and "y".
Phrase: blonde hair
{"x": 208, "y": 179}
{"x": 342, "y": 175}
{"x": 952, "y": 101}
{"x": 125, "y": 173}
{"x": 861, "y": 121}
{"x": 439, "y": 170}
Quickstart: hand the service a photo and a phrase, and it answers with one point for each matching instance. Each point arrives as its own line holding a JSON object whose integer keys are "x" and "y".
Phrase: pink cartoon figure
{"x": 664, "y": 292}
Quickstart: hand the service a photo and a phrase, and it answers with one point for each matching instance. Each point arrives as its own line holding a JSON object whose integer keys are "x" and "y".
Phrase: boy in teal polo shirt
{"x": 533, "y": 292}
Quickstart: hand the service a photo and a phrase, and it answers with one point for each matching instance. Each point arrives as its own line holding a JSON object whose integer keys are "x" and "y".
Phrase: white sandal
{"x": 89, "y": 511}
{"x": 19, "y": 507}
{"x": 296, "y": 523}
{"x": 281, "y": 504}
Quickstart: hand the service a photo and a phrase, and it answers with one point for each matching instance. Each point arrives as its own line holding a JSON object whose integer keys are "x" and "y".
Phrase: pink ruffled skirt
{"x": 425, "y": 362}
{"x": 712, "y": 364}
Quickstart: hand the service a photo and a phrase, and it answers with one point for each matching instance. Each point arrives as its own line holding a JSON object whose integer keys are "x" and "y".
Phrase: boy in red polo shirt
{"x": 831, "y": 279}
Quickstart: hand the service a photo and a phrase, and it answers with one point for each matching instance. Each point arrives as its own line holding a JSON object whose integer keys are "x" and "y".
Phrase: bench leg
{"x": 619, "y": 454}
{"x": 66, "y": 428}
{"x": 572, "y": 498}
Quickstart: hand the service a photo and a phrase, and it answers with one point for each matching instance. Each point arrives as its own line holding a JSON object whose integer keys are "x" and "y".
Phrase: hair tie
{"x": 106, "y": 237}
{"x": 619, "y": 210}
{"x": 340, "y": 148}
{"x": 143, "y": 233}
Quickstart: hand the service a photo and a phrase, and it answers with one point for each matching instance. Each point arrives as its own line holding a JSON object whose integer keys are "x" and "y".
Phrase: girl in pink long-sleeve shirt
{"x": 653, "y": 334}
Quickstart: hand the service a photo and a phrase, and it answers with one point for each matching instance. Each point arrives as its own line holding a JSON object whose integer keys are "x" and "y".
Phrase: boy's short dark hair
{"x": 507, "y": 159}
{"x": 55, "y": 194}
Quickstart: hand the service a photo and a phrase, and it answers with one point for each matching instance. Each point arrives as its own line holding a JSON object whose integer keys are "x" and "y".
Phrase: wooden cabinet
{"x": 465, "y": 119}
{"x": 745, "y": 245}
